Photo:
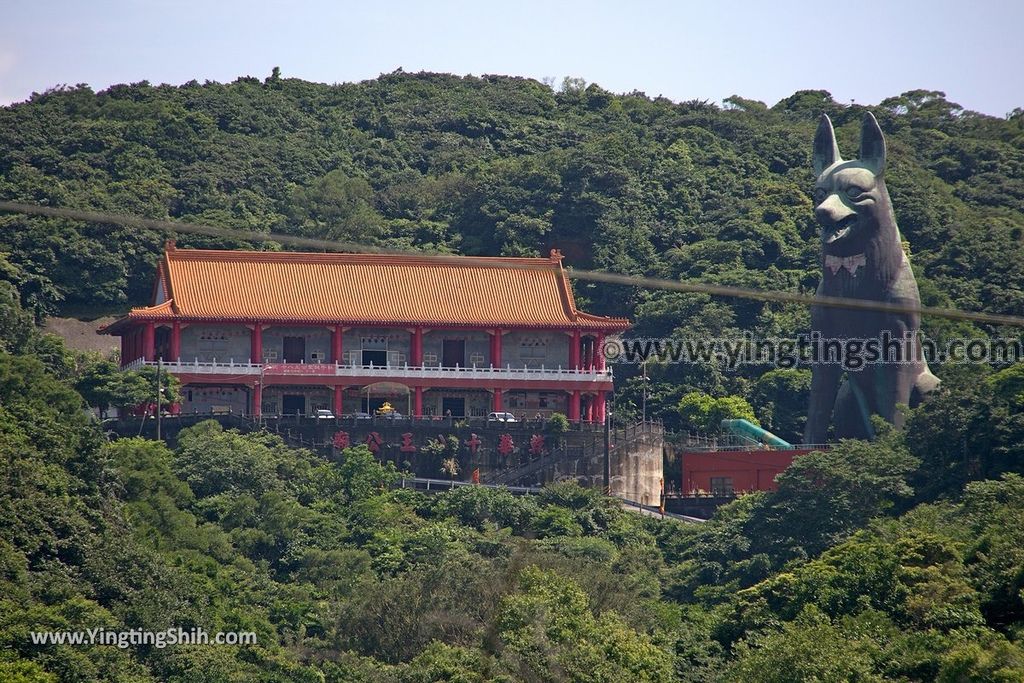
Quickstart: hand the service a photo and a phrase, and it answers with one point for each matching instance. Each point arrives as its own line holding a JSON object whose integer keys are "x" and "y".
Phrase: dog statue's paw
{"x": 926, "y": 384}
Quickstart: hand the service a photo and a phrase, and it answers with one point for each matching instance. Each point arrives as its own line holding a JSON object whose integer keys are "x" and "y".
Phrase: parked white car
{"x": 323, "y": 414}
{"x": 501, "y": 417}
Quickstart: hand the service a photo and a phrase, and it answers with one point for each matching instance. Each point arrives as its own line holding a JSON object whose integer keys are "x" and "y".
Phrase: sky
{"x": 860, "y": 51}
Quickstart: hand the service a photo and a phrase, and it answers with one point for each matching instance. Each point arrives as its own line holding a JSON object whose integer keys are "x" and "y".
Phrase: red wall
{"x": 749, "y": 470}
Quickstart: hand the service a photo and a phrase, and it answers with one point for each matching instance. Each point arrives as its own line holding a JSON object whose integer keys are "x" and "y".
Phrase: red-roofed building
{"x": 287, "y": 332}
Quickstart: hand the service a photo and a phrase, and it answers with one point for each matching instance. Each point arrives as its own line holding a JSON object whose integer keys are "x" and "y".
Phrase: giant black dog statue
{"x": 862, "y": 258}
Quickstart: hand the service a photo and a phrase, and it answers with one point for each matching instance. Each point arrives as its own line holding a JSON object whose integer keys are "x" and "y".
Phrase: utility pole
{"x": 159, "y": 367}
{"x": 608, "y": 450}
{"x": 643, "y": 410}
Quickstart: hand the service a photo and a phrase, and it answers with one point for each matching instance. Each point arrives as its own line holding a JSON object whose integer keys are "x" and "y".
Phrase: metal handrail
{"x": 377, "y": 371}
{"x": 759, "y": 447}
{"x": 429, "y": 484}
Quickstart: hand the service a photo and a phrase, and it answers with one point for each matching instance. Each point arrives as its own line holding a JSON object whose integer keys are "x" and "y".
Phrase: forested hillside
{"x": 501, "y": 165}
{"x": 898, "y": 560}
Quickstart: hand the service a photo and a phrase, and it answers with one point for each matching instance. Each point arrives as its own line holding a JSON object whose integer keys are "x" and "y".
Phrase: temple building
{"x": 286, "y": 333}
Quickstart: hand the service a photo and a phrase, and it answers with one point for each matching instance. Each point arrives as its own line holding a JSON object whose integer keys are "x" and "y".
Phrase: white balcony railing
{"x": 377, "y": 372}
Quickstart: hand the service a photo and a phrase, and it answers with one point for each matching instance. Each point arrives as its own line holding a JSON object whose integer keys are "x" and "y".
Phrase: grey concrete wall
{"x": 316, "y": 397}
{"x": 526, "y": 404}
{"x": 478, "y": 403}
{"x": 478, "y": 347}
{"x": 318, "y": 340}
{"x": 205, "y": 398}
{"x": 399, "y": 343}
{"x": 220, "y": 342}
{"x": 536, "y": 348}
{"x": 637, "y": 473}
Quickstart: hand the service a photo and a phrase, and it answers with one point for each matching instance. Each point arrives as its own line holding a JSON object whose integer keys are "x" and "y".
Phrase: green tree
{"x": 548, "y": 627}
{"x": 808, "y": 649}
{"x": 17, "y": 326}
{"x": 704, "y": 413}
{"x": 779, "y": 398}
{"x": 337, "y": 207}
{"x": 103, "y": 385}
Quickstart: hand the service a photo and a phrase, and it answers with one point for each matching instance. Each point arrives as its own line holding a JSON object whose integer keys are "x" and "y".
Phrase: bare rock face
{"x": 81, "y": 334}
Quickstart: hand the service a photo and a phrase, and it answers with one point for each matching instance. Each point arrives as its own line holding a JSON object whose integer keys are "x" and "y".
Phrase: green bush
{"x": 558, "y": 423}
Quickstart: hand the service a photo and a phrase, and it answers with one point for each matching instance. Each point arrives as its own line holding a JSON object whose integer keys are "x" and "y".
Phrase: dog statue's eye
{"x": 853, "y": 191}
{"x": 820, "y": 194}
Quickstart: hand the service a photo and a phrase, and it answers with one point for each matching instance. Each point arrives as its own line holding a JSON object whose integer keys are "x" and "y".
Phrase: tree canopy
{"x": 894, "y": 560}
{"x": 502, "y": 165}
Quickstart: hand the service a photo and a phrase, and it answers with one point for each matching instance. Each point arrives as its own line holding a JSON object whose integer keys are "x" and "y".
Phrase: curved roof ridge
{"x": 367, "y": 290}
{"x": 356, "y": 257}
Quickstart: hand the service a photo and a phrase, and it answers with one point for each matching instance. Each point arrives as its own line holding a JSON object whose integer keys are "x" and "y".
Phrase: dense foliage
{"x": 507, "y": 165}
{"x": 846, "y": 572}
{"x": 896, "y": 560}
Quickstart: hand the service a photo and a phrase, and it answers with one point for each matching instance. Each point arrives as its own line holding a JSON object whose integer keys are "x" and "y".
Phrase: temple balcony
{"x": 238, "y": 372}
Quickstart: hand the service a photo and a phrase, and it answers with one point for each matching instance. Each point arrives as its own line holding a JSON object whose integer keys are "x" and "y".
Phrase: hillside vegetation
{"x": 501, "y": 165}
{"x": 837, "y": 576}
{"x": 901, "y": 559}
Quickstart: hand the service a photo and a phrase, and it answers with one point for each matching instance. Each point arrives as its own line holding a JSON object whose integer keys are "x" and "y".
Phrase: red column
{"x": 588, "y": 408}
{"x": 599, "y": 407}
{"x": 257, "y": 400}
{"x": 338, "y": 407}
{"x": 574, "y": 350}
{"x": 256, "y": 351}
{"x": 336, "y": 347}
{"x": 176, "y": 342}
{"x": 574, "y": 405}
{"x": 417, "y": 347}
{"x": 124, "y": 349}
{"x": 497, "y": 401}
{"x": 599, "y": 352}
{"x": 417, "y": 402}
{"x": 496, "y": 348}
{"x": 149, "y": 341}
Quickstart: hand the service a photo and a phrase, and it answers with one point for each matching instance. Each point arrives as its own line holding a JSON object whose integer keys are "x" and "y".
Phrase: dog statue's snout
{"x": 832, "y": 210}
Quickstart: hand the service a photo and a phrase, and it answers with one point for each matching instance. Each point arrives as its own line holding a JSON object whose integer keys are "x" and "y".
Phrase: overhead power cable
{"x": 773, "y": 296}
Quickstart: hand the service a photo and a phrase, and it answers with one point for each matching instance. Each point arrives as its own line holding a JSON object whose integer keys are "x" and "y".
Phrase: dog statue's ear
{"x": 826, "y": 151}
{"x": 872, "y": 144}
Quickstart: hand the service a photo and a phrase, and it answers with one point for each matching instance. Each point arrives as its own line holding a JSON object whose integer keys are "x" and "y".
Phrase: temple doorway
{"x": 453, "y": 353}
{"x": 454, "y": 406}
{"x": 294, "y": 349}
{"x": 292, "y": 404}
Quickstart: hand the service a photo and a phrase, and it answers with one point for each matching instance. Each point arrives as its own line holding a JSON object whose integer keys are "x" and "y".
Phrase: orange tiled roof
{"x": 370, "y": 289}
